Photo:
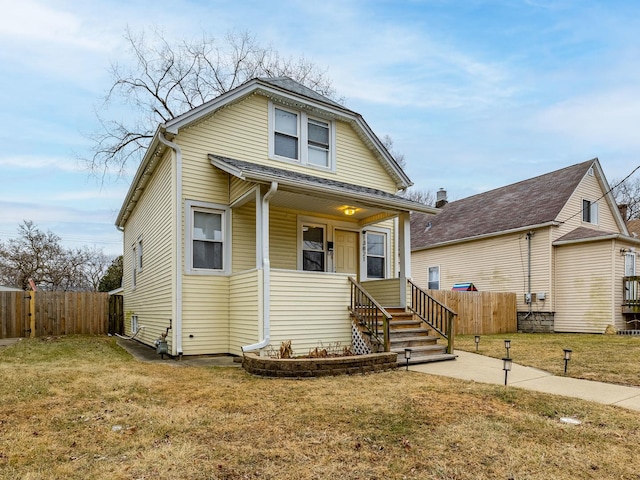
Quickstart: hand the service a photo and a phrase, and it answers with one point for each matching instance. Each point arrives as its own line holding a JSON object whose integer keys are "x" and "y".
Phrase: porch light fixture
{"x": 407, "y": 356}
{"x": 567, "y": 357}
{"x": 348, "y": 211}
{"x": 506, "y": 366}
{"x": 507, "y": 345}
{"x": 477, "y": 340}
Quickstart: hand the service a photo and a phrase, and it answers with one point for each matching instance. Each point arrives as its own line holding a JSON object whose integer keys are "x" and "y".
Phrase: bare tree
{"x": 38, "y": 255}
{"x": 387, "y": 141}
{"x": 165, "y": 80}
{"x": 423, "y": 196}
{"x": 627, "y": 193}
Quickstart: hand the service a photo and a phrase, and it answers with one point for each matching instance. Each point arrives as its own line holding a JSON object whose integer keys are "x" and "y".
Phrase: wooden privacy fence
{"x": 37, "y": 314}
{"x": 480, "y": 313}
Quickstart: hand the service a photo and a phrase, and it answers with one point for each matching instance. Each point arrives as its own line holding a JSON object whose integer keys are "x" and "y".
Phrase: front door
{"x": 346, "y": 251}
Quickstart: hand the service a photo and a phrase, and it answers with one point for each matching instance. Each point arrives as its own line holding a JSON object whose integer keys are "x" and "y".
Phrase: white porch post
{"x": 404, "y": 246}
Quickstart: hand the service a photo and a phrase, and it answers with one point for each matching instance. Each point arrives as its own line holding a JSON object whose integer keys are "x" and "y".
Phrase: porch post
{"x": 404, "y": 246}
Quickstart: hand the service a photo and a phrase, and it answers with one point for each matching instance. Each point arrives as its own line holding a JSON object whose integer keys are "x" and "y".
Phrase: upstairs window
{"x": 286, "y": 134}
{"x": 589, "y": 212}
{"x": 295, "y": 136}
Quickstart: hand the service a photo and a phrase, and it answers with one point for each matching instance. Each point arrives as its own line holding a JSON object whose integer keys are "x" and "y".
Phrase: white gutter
{"x": 177, "y": 321}
{"x": 266, "y": 271}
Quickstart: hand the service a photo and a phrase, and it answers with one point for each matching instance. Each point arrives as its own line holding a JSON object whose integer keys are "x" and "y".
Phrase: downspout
{"x": 177, "y": 321}
{"x": 266, "y": 272}
{"x": 529, "y": 235}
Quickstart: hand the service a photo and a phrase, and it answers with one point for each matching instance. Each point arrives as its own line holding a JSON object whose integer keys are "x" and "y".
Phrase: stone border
{"x": 318, "y": 367}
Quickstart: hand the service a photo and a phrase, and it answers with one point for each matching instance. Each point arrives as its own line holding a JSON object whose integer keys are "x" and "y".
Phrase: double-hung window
{"x": 589, "y": 212}
{"x": 313, "y": 251}
{"x": 376, "y": 255}
{"x": 206, "y": 240}
{"x": 434, "y": 278}
{"x": 295, "y": 136}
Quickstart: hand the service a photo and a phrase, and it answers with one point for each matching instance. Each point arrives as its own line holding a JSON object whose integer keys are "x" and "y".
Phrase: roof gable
{"x": 531, "y": 202}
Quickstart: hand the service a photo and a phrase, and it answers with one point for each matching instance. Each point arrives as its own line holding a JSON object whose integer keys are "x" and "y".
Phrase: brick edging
{"x": 318, "y": 367}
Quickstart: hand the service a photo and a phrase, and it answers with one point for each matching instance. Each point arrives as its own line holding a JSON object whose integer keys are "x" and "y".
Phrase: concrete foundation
{"x": 536, "y": 322}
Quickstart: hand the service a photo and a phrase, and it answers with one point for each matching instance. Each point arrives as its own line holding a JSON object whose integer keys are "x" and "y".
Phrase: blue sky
{"x": 475, "y": 94}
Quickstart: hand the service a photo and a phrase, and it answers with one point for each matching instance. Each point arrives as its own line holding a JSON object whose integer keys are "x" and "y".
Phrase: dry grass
{"x": 60, "y": 401}
{"x": 605, "y": 358}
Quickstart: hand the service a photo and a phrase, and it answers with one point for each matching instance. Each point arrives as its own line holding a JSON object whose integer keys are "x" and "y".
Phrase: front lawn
{"x": 605, "y": 358}
{"x": 80, "y": 407}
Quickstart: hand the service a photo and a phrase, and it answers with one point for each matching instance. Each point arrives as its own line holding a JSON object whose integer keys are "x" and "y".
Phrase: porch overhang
{"x": 297, "y": 188}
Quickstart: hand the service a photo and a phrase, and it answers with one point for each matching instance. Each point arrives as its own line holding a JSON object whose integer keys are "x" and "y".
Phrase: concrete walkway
{"x": 479, "y": 368}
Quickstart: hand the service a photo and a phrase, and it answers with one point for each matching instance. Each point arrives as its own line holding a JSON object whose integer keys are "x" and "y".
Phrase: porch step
{"x": 407, "y": 332}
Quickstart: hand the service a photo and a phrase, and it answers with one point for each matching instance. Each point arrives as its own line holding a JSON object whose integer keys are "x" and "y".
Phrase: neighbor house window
{"x": 295, "y": 136}
{"x": 376, "y": 255}
{"x": 589, "y": 212}
{"x": 313, "y": 252}
{"x": 434, "y": 278}
{"x": 206, "y": 238}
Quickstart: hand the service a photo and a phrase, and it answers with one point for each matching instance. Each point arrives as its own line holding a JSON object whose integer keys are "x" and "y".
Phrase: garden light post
{"x": 407, "y": 356}
{"x": 507, "y": 345}
{"x": 477, "y": 340}
{"x": 567, "y": 357}
{"x": 506, "y": 366}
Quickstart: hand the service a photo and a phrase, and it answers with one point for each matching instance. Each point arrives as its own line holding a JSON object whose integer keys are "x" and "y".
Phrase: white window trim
{"x": 189, "y": 207}
{"x": 593, "y": 212}
{"x": 134, "y": 324}
{"x": 363, "y": 258}
{"x": 303, "y": 139}
{"x": 429, "y": 281}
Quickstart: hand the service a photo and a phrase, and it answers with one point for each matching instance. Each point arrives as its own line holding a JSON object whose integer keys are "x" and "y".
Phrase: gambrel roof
{"x": 530, "y": 203}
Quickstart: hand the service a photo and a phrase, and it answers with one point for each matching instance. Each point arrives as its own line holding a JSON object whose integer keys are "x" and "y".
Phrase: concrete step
{"x": 425, "y": 359}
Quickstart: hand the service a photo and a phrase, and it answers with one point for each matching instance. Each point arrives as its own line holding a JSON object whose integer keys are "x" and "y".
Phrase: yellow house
{"x": 250, "y": 216}
{"x": 558, "y": 240}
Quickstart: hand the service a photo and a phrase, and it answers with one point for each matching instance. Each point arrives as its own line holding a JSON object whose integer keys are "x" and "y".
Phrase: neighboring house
{"x": 557, "y": 240}
{"x": 249, "y": 214}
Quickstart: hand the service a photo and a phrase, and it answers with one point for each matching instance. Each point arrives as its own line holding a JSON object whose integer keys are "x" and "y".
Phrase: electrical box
{"x": 542, "y": 296}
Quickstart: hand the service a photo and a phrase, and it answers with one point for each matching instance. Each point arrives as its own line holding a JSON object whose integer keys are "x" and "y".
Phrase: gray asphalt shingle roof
{"x": 534, "y": 201}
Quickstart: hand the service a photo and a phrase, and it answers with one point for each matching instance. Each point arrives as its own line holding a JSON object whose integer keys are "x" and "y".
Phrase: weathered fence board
{"x": 56, "y": 313}
{"x": 480, "y": 313}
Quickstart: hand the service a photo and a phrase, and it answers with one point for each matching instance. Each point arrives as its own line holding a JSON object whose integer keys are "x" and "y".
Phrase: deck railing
{"x": 435, "y": 314}
{"x": 370, "y": 315}
{"x": 631, "y": 291}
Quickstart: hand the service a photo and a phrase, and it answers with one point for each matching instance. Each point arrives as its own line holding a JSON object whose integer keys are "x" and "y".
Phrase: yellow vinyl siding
{"x": 153, "y": 221}
{"x": 310, "y": 309}
{"x": 497, "y": 264}
{"x": 244, "y": 237}
{"x": 239, "y": 188}
{"x": 584, "y": 289}
{"x": 283, "y": 238}
{"x": 245, "y": 309}
{"x": 385, "y": 292}
{"x": 205, "y": 317}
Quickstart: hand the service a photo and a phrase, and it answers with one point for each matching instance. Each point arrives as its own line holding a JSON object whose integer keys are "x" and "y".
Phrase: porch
{"x": 631, "y": 304}
{"x": 324, "y": 310}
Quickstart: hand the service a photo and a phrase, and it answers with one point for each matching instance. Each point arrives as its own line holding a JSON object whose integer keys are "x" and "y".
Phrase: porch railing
{"x": 631, "y": 291}
{"x": 435, "y": 314}
{"x": 368, "y": 313}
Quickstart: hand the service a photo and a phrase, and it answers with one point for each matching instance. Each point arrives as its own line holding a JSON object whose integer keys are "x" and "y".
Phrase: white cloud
{"x": 34, "y": 162}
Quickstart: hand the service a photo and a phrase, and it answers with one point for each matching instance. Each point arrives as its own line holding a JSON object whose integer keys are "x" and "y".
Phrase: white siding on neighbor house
{"x": 571, "y": 215}
{"x": 310, "y": 309}
{"x": 496, "y": 264}
{"x": 584, "y": 287}
{"x": 152, "y": 221}
{"x": 245, "y": 309}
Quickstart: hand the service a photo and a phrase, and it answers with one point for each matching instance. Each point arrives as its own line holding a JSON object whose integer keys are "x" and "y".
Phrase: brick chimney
{"x": 623, "y": 207}
{"x": 441, "y": 198}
